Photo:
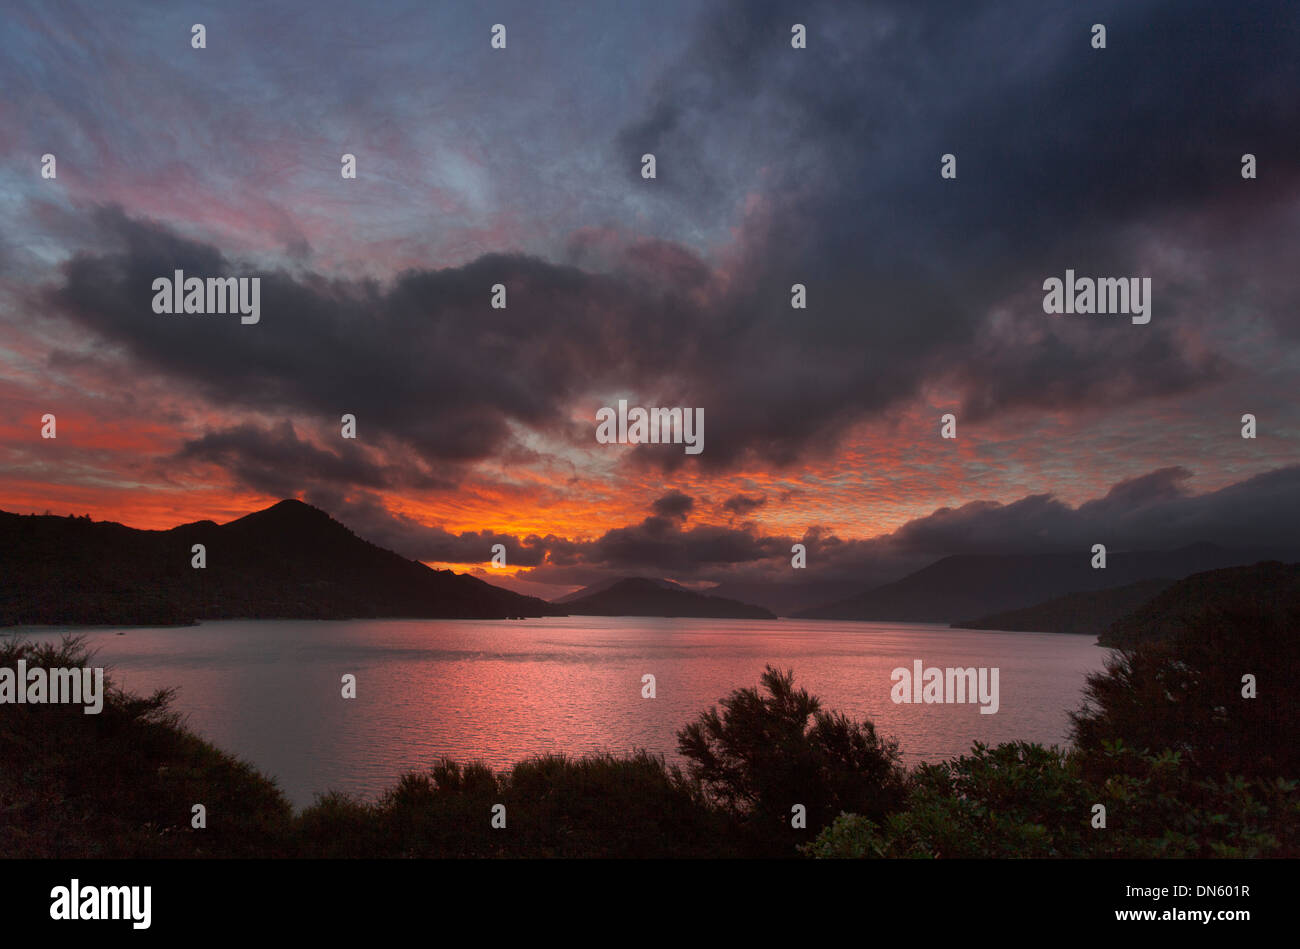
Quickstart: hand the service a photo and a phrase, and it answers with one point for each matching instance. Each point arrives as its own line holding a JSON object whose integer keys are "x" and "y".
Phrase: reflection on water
{"x": 501, "y": 690}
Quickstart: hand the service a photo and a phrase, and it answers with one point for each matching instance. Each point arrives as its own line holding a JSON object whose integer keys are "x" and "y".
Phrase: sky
{"x": 775, "y": 166}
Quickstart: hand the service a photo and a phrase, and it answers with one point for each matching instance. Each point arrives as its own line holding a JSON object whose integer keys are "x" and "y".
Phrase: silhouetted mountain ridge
{"x": 788, "y": 598}
{"x": 603, "y": 585}
{"x": 1247, "y": 597}
{"x": 1087, "y": 614}
{"x": 964, "y": 585}
{"x": 639, "y": 596}
{"x": 289, "y": 561}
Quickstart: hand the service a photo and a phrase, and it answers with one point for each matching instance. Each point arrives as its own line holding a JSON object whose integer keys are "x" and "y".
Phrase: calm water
{"x": 502, "y": 690}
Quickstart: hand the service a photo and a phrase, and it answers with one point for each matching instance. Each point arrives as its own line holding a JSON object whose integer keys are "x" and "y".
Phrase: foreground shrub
{"x": 555, "y": 806}
{"x": 1024, "y": 800}
{"x": 762, "y": 754}
{"x": 1184, "y": 693}
{"x": 122, "y": 783}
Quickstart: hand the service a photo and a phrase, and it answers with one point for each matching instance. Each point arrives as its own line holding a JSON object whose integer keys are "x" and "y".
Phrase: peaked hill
{"x": 637, "y": 596}
{"x": 290, "y": 561}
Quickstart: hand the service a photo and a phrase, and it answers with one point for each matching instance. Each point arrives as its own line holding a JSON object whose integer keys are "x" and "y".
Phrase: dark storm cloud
{"x": 663, "y": 545}
{"x": 673, "y": 506}
{"x": 1151, "y": 512}
{"x": 742, "y": 505}
{"x": 660, "y": 543}
{"x": 366, "y": 516}
{"x": 1062, "y": 151}
{"x": 1055, "y": 137}
{"x": 1067, "y": 157}
{"x": 1261, "y": 511}
{"x": 427, "y": 361}
{"x": 277, "y": 462}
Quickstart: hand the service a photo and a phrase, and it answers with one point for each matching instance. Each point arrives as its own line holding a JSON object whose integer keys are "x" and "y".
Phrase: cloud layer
{"x": 776, "y": 167}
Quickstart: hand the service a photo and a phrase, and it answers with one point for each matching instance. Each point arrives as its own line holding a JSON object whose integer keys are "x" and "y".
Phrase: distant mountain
{"x": 786, "y": 599}
{"x": 604, "y": 585}
{"x": 958, "y": 587}
{"x": 637, "y": 596}
{"x": 1089, "y": 613}
{"x": 290, "y": 561}
{"x": 1247, "y": 595}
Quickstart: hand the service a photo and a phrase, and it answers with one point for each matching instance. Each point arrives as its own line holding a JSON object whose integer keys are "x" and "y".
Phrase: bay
{"x": 500, "y": 691}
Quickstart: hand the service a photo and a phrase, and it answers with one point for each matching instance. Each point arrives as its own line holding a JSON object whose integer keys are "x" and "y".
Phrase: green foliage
{"x": 338, "y": 826}
{"x": 1184, "y": 694}
{"x": 1017, "y": 799}
{"x": 764, "y": 753}
{"x": 1024, "y": 800}
{"x": 122, "y": 783}
{"x": 599, "y": 806}
{"x": 1156, "y": 747}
